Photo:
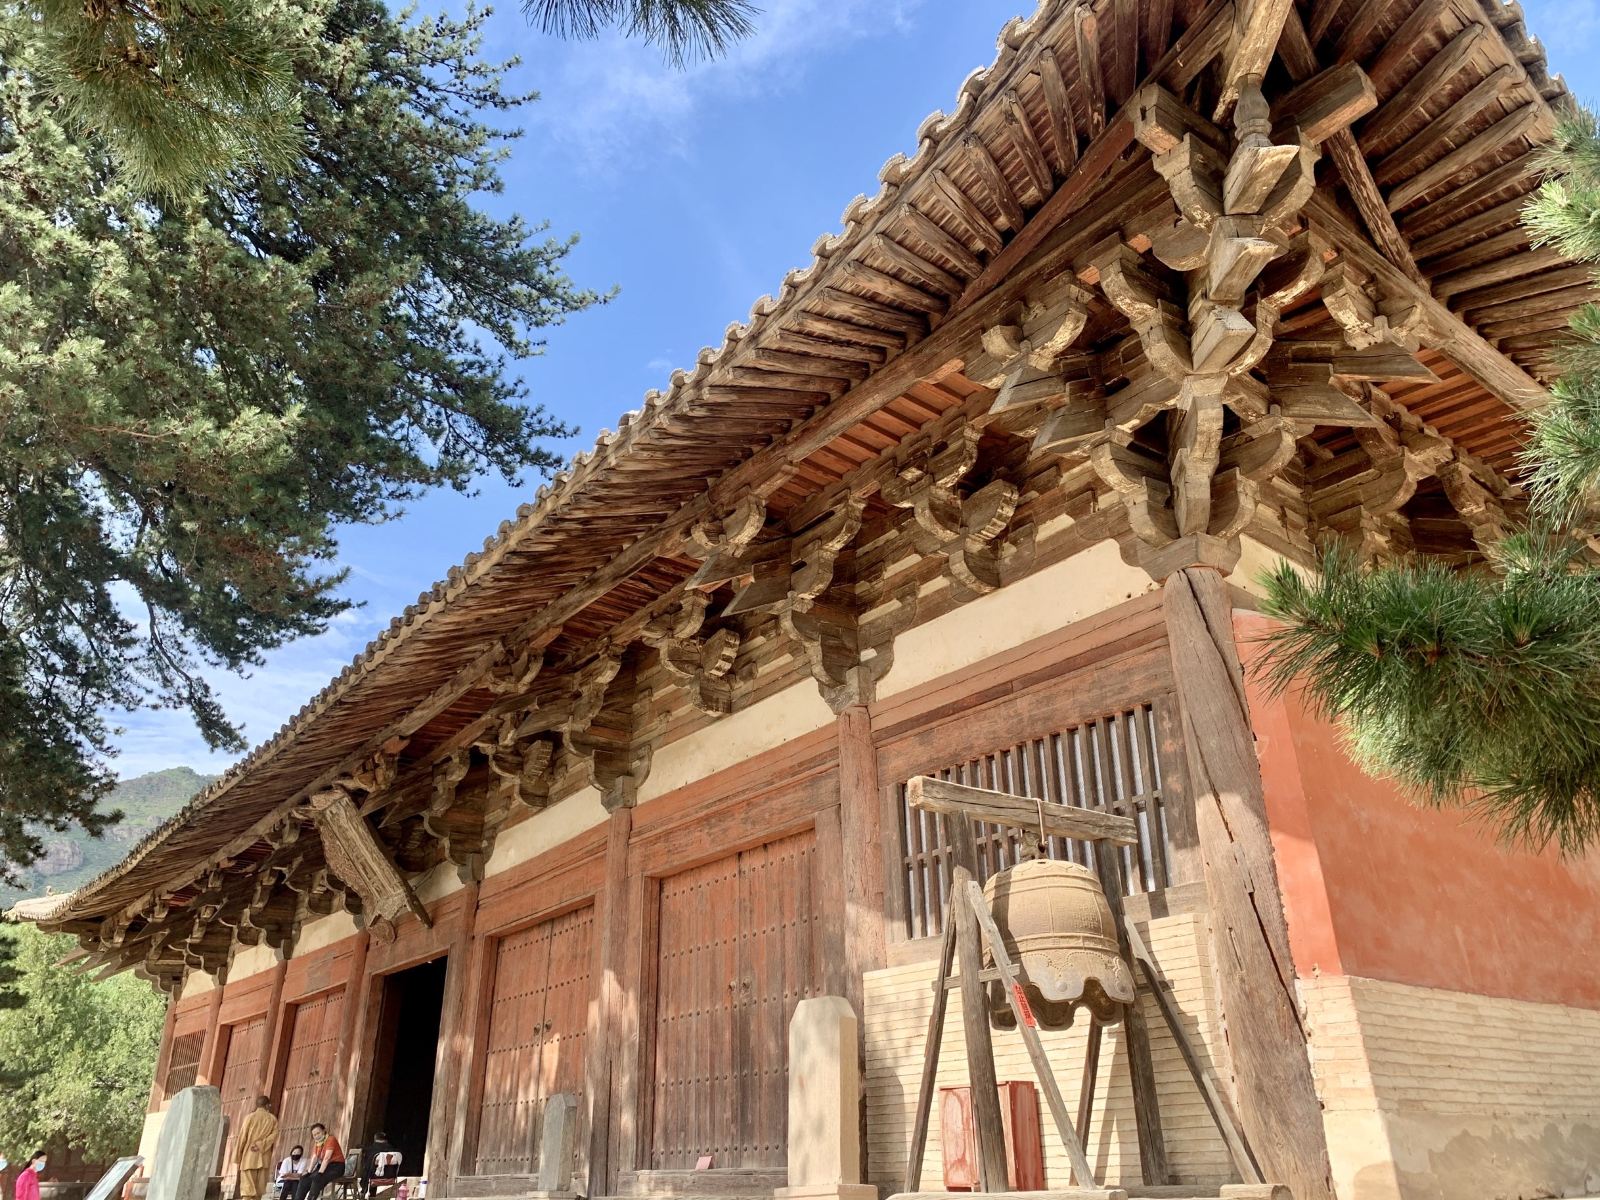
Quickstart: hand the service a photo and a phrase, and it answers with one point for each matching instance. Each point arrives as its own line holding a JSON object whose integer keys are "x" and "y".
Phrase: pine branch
{"x": 684, "y": 30}
{"x": 1473, "y": 690}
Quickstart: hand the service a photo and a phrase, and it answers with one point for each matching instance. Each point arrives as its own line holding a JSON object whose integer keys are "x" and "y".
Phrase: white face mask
{"x": 39, "y": 1166}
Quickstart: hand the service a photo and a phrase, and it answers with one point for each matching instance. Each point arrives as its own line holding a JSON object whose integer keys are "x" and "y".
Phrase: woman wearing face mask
{"x": 290, "y": 1170}
{"x": 28, "y": 1179}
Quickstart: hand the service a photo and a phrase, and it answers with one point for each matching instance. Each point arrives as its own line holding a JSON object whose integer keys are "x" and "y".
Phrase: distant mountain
{"x": 73, "y": 859}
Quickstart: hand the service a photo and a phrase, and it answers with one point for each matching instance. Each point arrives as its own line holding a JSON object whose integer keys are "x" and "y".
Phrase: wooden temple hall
{"x": 1177, "y": 287}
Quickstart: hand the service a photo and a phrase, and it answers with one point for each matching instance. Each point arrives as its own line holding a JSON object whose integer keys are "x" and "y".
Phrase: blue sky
{"x": 693, "y": 192}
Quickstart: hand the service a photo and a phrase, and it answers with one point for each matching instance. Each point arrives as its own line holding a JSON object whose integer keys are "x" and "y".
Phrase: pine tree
{"x": 184, "y": 91}
{"x": 1481, "y": 689}
{"x": 195, "y": 392}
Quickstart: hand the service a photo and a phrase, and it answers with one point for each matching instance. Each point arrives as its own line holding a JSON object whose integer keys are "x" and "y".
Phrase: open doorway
{"x": 402, "y": 1070}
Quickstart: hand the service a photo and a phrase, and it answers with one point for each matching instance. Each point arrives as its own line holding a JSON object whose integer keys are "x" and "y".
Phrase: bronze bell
{"x": 1058, "y": 930}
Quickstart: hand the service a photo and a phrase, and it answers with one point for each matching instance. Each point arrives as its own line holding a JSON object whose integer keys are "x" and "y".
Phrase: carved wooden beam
{"x": 612, "y": 742}
{"x": 1257, "y": 25}
{"x": 1204, "y": 302}
{"x": 1022, "y": 355}
{"x": 356, "y": 856}
{"x": 700, "y": 660}
{"x": 964, "y": 530}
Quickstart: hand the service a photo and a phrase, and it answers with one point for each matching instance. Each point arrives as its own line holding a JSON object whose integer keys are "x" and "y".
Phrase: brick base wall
{"x": 1437, "y": 1095}
{"x": 898, "y": 1000}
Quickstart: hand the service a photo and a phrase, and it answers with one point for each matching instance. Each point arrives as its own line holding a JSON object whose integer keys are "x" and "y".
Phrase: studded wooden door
{"x": 310, "y": 1086}
{"x": 537, "y": 1020}
{"x": 736, "y": 953}
{"x": 246, "y": 1044}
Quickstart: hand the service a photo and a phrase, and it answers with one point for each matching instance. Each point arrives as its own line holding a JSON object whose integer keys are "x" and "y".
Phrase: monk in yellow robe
{"x": 258, "y": 1138}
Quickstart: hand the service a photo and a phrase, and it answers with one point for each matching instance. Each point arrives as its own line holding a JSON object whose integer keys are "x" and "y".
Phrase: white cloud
{"x": 609, "y": 95}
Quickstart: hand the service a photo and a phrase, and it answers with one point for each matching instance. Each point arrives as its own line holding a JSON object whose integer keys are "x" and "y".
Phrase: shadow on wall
{"x": 1487, "y": 1162}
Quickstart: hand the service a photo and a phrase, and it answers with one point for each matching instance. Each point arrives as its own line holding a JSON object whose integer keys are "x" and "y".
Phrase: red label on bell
{"x": 1022, "y": 1005}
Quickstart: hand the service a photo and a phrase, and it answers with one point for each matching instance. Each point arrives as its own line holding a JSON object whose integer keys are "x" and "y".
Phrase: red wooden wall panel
{"x": 310, "y": 1082}
{"x": 737, "y": 952}
{"x": 247, "y": 1042}
{"x": 537, "y": 1022}
{"x": 183, "y": 1066}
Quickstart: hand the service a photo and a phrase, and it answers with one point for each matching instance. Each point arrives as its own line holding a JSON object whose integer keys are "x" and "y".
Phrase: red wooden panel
{"x": 736, "y": 954}
{"x": 183, "y": 1067}
{"x": 694, "y": 1058}
{"x": 310, "y": 1086}
{"x": 777, "y": 970}
{"x": 537, "y": 1020}
{"x": 246, "y": 1045}
{"x": 516, "y": 1030}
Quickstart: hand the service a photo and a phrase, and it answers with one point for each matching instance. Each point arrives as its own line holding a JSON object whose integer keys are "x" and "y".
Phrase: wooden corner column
{"x": 1273, "y": 1086}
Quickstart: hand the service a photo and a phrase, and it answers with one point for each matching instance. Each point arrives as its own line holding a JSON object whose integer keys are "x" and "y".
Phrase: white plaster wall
{"x": 1254, "y": 559}
{"x": 148, "y": 1136}
{"x": 197, "y": 983}
{"x": 1081, "y": 586}
{"x": 545, "y": 830}
{"x": 768, "y": 723}
{"x": 325, "y": 931}
{"x": 440, "y": 881}
{"x": 251, "y": 960}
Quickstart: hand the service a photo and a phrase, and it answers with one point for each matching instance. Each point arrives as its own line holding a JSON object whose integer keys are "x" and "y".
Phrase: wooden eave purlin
{"x": 756, "y": 417}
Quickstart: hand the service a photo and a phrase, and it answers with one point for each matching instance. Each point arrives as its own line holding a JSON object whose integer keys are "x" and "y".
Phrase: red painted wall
{"x": 1378, "y": 887}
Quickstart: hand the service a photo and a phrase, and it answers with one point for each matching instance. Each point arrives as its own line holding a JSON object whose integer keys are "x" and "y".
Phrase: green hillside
{"x": 72, "y": 859}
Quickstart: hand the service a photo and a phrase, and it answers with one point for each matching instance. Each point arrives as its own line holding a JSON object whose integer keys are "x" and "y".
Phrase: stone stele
{"x": 824, "y": 1104}
{"x": 186, "y": 1152}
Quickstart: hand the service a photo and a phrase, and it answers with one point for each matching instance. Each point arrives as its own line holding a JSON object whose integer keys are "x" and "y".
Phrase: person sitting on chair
{"x": 379, "y": 1161}
{"x": 325, "y": 1165}
{"x": 289, "y": 1170}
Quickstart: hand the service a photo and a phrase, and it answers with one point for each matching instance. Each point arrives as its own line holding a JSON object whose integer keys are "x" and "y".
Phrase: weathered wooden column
{"x": 268, "y": 1072}
{"x": 215, "y": 1045}
{"x": 453, "y": 1033}
{"x": 1267, "y": 1043}
{"x": 861, "y": 832}
{"x": 164, "y": 1055}
{"x": 615, "y": 1021}
{"x": 861, "y": 823}
{"x": 352, "y": 1028}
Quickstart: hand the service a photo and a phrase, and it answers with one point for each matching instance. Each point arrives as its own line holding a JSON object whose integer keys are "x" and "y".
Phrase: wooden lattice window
{"x": 1109, "y": 763}
{"x": 183, "y": 1064}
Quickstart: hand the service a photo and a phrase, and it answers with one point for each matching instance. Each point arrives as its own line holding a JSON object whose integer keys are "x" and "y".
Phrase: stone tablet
{"x": 186, "y": 1152}
{"x": 555, "y": 1146}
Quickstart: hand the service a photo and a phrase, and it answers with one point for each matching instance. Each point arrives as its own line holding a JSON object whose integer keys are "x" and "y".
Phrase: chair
{"x": 385, "y": 1174}
{"x": 348, "y": 1185}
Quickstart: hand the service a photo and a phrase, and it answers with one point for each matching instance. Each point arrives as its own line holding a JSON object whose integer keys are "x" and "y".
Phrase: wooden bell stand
{"x": 971, "y": 924}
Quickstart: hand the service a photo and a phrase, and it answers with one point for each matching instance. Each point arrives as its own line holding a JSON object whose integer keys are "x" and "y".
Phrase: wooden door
{"x": 736, "y": 953}
{"x": 246, "y": 1044}
{"x": 537, "y": 1021}
{"x": 311, "y": 1091}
